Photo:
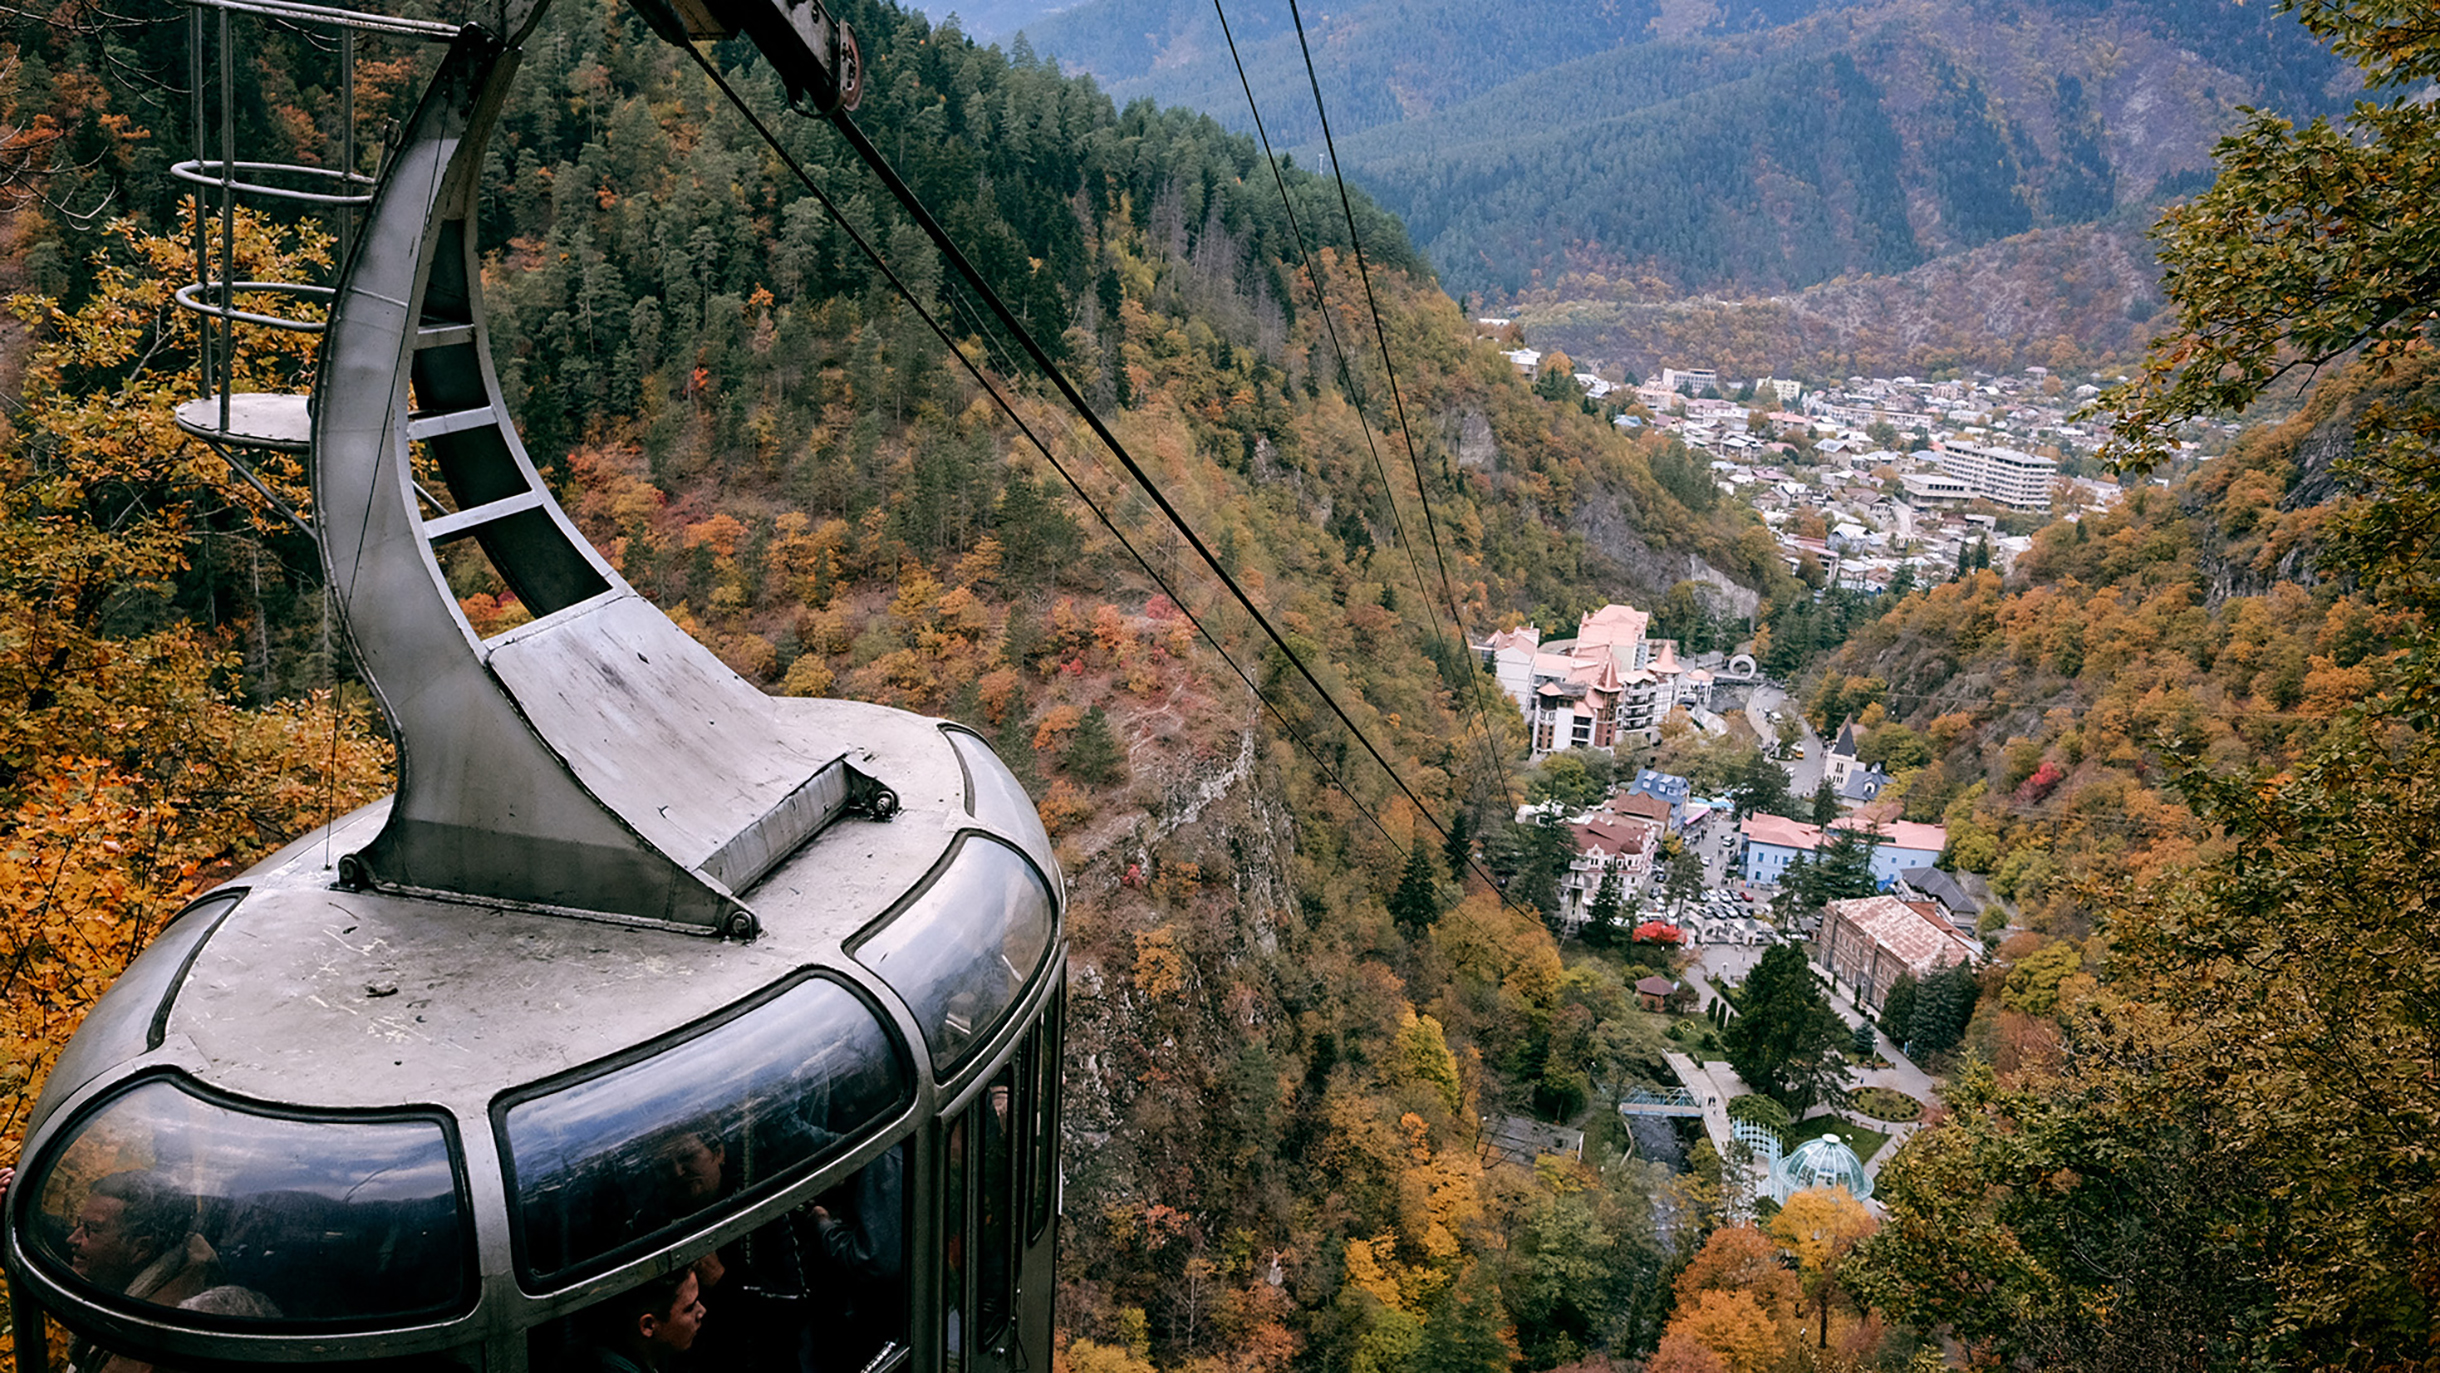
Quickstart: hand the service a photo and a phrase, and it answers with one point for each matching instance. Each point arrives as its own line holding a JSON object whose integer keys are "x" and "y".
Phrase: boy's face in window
{"x": 676, "y": 1331}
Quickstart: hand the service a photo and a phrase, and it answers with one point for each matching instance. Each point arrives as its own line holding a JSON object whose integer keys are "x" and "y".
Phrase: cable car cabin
{"x": 653, "y": 1024}
{"x": 316, "y": 1125}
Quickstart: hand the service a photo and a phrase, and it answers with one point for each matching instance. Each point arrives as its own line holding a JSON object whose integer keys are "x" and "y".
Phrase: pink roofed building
{"x": 1608, "y": 685}
{"x": 1866, "y": 943}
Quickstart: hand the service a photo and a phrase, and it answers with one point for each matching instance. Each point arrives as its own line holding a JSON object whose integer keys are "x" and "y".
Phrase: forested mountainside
{"x": 1744, "y": 148}
{"x": 2191, "y": 739}
{"x": 2028, "y": 710}
{"x": 1275, "y": 1088}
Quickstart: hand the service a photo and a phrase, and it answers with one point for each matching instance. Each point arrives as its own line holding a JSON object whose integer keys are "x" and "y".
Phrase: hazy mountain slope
{"x": 1737, "y": 148}
{"x": 2086, "y": 293}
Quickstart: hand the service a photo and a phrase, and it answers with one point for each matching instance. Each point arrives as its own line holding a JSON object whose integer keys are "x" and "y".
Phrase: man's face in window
{"x": 101, "y": 1248}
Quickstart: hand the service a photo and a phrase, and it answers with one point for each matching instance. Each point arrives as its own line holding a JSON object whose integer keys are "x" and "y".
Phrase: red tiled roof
{"x": 1614, "y": 835}
{"x": 1637, "y": 804}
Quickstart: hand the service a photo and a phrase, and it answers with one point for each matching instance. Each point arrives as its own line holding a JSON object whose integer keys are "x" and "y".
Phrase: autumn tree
{"x": 2228, "y": 1166}
{"x": 133, "y": 768}
{"x": 1821, "y": 1226}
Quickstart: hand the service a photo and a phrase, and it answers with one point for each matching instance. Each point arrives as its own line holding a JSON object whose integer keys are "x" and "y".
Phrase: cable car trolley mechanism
{"x": 654, "y": 1023}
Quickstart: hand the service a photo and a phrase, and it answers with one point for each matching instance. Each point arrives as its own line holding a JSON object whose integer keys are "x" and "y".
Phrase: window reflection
{"x": 960, "y": 952}
{"x": 610, "y": 1163}
{"x": 999, "y": 801}
{"x": 953, "y": 1247}
{"x": 1043, "y": 1171}
{"x": 820, "y": 1290}
{"x": 994, "y": 1209}
{"x": 172, "y": 1200}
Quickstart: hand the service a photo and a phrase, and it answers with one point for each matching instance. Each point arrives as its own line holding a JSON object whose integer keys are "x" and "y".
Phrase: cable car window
{"x": 953, "y": 1246}
{"x": 625, "y": 1157}
{"x": 960, "y": 952}
{"x": 995, "y": 1209}
{"x": 1044, "y": 1172}
{"x": 670, "y": 1321}
{"x": 229, "y": 1215}
{"x": 996, "y": 799}
{"x": 858, "y": 1274}
{"x": 820, "y": 1290}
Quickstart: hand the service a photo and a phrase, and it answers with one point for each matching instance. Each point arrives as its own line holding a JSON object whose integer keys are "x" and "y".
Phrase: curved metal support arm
{"x": 596, "y": 758}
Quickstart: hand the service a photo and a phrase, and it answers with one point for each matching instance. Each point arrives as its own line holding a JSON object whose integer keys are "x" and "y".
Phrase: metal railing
{"x": 220, "y": 415}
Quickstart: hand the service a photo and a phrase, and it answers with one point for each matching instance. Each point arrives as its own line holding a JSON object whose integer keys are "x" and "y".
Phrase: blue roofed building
{"x": 1663, "y": 786}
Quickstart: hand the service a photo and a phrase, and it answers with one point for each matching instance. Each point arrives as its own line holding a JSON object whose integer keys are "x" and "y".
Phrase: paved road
{"x": 1804, "y": 774}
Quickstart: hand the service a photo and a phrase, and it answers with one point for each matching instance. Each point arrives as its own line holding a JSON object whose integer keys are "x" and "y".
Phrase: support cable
{"x": 1390, "y": 368}
{"x": 914, "y": 206}
{"x": 872, "y": 255}
{"x": 1422, "y": 493}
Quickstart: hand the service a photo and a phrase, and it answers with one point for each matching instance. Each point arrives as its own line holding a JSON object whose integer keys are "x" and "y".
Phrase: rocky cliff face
{"x": 1612, "y": 530}
{"x": 1172, "y": 914}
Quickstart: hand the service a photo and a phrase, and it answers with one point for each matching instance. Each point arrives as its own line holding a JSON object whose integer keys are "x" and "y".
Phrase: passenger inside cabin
{"x": 860, "y": 1227}
{"x": 645, "y": 1329}
{"x": 136, "y": 1234}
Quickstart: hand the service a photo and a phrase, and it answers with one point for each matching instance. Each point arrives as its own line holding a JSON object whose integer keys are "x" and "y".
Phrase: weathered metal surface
{"x": 256, "y": 420}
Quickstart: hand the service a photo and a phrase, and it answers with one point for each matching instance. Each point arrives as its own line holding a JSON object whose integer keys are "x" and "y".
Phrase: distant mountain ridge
{"x": 1726, "y": 147}
{"x": 2085, "y": 295}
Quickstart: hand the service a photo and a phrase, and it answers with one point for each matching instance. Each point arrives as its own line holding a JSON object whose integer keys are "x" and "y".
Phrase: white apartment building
{"x": 2002, "y": 474}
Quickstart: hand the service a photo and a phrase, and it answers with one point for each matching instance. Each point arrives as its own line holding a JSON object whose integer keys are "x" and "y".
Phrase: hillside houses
{"x": 1974, "y": 442}
{"x": 1770, "y": 843}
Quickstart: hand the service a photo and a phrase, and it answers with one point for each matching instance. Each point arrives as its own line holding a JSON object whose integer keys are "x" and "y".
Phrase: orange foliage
{"x": 1732, "y": 1326}
{"x": 1740, "y": 1258}
{"x": 1064, "y": 807}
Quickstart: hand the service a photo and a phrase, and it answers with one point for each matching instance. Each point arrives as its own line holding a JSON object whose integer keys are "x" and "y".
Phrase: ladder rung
{"x": 443, "y": 335}
{"x": 465, "y": 522}
{"x": 424, "y": 427}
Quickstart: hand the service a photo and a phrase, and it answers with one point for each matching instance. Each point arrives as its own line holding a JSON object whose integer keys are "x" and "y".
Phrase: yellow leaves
{"x": 2329, "y": 688}
{"x": 490, "y": 614}
{"x": 1424, "y": 1057}
{"x": 1055, "y": 725}
{"x": 1367, "y": 1272}
{"x": 1160, "y": 966}
{"x": 1732, "y": 1327}
{"x": 1821, "y": 1226}
{"x": 720, "y": 533}
{"x": 1064, "y": 807}
{"x": 807, "y": 676}
{"x": 980, "y": 563}
{"x": 133, "y": 778}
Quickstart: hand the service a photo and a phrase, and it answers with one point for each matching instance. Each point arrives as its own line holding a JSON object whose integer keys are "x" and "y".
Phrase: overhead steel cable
{"x": 872, "y": 255}
{"x": 1388, "y": 367}
{"x": 1423, "y": 495}
{"x": 914, "y": 206}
